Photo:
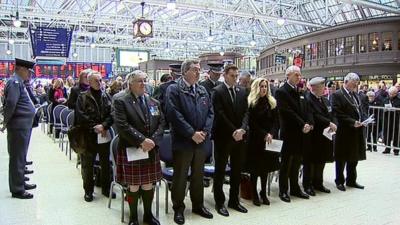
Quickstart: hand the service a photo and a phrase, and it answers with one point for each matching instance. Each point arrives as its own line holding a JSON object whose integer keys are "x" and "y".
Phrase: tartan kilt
{"x": 137, "y": 172}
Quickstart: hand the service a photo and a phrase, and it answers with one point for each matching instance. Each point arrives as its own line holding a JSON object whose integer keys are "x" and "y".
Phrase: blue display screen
{"x": 50, "y": 42}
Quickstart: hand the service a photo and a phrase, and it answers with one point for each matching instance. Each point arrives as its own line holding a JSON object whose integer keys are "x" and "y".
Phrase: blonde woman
{"x": 263, "y": 126}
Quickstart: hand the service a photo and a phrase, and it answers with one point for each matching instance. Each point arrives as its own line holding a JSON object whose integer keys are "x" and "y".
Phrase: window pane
{"x": 321, "y": 49}
{"x": 339, "y": 46}
{"x": 362, "y": 43}
{"x": 373, "y": 42}
{"x": 387, "y": 41}
{"x": 331, "y": 48}
{"x": 349, "y": 45}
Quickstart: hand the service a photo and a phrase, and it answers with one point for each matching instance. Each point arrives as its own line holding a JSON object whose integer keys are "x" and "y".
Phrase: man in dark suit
{"x": 215, "y": 72}
{"x": 18, "y": 112}
{"x": 296, "y": 122}
{"x": 190, "y": 113}
{"x": 350, "y": 141}
{"x": 230, "y": 126}
{"x": 320, "y": 150}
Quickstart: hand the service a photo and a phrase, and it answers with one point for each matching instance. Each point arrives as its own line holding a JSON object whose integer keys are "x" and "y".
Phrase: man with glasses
{"x": 190, "y": 113}
{"x": 230, "y": 126}
{"x": 19, "y": 112}
{"x": 93, "y": 113}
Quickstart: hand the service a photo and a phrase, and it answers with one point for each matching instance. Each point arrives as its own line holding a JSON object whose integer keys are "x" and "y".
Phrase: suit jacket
{"x": 321, "y": 148}
{"x": 229, "y": 116}
{"x": 293, "y": 114}
{"x": 18, "y": 109}
{"x": 132, "y": 125}
{"x": 350, "y": 141}
{"x": 209, "y": 85}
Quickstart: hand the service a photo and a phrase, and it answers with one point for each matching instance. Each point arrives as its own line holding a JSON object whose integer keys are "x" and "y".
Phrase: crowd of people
{"x": 240, "y": 115}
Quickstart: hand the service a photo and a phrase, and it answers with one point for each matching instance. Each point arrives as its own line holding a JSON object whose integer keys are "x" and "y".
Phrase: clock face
{"x": 145, "y": 28}
{"x": 135, "y": 29}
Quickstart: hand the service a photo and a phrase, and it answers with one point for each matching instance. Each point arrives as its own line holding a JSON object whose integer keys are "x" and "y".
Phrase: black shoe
{"x": 222, "y": 210}
{"x": 375, "y": 149}
{"x": 309, "y": 191}
{"x": 88, "y": 197}
{"x": 179, "y": 218}
{"x": 396, "y": 153}
{"x": 300, "y": 194}
{"x": 238, "y": 207}
{"x": 203, "y": 212}
{"x": 369, "y": 149}
{"x": 387, "y": 151}
{"x": 355, "y": 185}
{"x": 256, "y": 199}
{"x": 28, "y": 171}
{"x": 26, "y": 178}
{"x": 28, "y": 163}
{"x": 340, "y": 187}
{"x": 206, "y": 183}
{"x": 264, "y": 198}
{"x": 133, "y": 222}
{"x": 151, "y": 220}
{"x": 29, "y": 186}
{"x": 284, "y": 197}
{"x": 22, "y": 195}
{"x": 322, "y": 189}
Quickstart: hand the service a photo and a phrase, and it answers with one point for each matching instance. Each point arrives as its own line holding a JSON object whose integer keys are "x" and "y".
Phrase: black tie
{"x": 192, "y": 89}
{"x": 232, "y": 92}
{"x": 143, "y": 107}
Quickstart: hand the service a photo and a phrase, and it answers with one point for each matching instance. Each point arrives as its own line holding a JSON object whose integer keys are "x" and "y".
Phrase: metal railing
{"x": 386, "y": 127}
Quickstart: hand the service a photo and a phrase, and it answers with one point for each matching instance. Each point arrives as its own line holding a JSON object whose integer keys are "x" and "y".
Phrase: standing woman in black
{"x": 263, "y": 124}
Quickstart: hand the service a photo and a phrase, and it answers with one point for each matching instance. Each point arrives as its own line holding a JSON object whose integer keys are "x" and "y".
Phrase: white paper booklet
{"x": 106, "y": 139}
{"x": 328, "y": 133}
{"x": 135, "y": 154}
{"x": 275, "y": 146}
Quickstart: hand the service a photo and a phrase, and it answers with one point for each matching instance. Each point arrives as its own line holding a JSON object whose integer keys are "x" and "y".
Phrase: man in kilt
{"x": 139, "y": 120}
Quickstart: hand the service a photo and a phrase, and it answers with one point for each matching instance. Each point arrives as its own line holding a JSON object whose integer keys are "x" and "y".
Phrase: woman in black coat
{"x": 263, "y": 124}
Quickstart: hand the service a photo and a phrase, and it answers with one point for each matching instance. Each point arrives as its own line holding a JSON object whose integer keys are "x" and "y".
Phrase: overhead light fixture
{"x": 222, "y": 53}
{"x": 8, "y": 51}
{"x": 171, "y": 4}
{"x": 11, "y": 41}
{"x": 374, "y": 42}
{"x": 17, "y": 22}
{"x": 280, "y": 21}
{"x": 252, "y": 42}
{"x": 210, "y": 36}
{"x": 92, "y": 45}
{"x": 74, "y": 54}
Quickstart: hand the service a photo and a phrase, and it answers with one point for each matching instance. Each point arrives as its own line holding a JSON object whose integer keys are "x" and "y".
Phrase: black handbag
{"x": 77, "y": 139}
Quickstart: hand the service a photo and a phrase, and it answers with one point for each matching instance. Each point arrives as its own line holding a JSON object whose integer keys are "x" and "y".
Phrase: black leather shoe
{"x": 355, "y": 185}
{"x": 340, "y": 187}
{"x": 30, "y": 186}
{"x": 203, "y": 212}
{"x": 151, "y": 220}
{"x": 309, "y": 191}
{"x": 238, "y": 207}
{"x": 179, "y": 218}
{"x": 88, "y": 197}
{"x": 322, "y": 189}
{"x": 29, "y": 163}
{"x": 23, "y": 195}
{"x": 284, "y": 197}
{"x": 133, "y": 222}
{"x": 26, "y": 178}
{"x": 256, "y": 201}
{"x": 28, "y": 171}
{"x": 300, "y": 194}
{"x": 222, "y": 210}
{"x": 264, "y": 199}
{"x": 396, "y": 153}
{"x": 387, "y": 151}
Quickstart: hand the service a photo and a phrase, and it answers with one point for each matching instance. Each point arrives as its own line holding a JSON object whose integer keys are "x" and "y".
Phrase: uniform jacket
{"x": 187, "y": 113}
{"x": 350, "y": 141}
{"x": 131, "y": 123}
{"x": 19, "y": 110}
{"x": 293, "y": 115}
{"x": 209, "y": 85}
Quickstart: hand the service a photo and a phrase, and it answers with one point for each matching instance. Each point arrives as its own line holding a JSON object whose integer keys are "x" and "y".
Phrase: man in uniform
{"x": 19, "y": 112}
{"x": 215, "y": 72}
{"x": 175, "y": 73}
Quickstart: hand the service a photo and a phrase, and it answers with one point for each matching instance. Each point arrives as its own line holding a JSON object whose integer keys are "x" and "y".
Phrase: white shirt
{"x": 187, "y": 84}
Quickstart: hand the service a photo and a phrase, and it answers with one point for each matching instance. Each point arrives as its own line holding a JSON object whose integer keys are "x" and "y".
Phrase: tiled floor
{"x": 59, "y": 197}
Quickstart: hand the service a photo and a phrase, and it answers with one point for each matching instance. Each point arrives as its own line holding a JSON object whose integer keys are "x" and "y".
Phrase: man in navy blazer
{"x": 190, "y": 113}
